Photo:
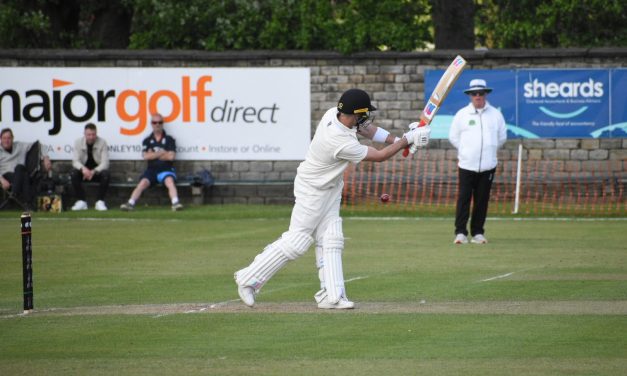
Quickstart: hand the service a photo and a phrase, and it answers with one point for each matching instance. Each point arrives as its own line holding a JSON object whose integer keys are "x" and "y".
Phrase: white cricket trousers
{"x": 314, "y": 209}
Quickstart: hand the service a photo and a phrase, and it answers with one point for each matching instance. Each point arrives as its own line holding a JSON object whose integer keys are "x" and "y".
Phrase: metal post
{"x": 518, "y": 169}
{"x": 27, "y": 262}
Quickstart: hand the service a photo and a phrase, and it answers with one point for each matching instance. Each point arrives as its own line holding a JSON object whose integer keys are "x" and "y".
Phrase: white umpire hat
{"x": 477, "y": 85}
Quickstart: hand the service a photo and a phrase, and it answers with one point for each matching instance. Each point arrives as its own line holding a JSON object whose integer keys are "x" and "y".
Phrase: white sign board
{"x": 213, "y": 113}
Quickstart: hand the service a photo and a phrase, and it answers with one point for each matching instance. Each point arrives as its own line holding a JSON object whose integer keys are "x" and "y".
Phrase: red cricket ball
{"x": 385, "y": 197}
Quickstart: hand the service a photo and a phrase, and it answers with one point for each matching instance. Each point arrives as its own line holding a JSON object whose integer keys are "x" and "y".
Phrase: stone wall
{"x": 394, "y": 80}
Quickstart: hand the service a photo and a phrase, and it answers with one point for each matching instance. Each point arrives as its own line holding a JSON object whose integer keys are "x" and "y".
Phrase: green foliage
{"x": 55, "y": 23}
{"x": 554, "y": 24}
{"x": 372, "y": 24}
{"x": 337, "y": 25}
{"x": 21, "y": 27}
{"x": 346, "y": 26}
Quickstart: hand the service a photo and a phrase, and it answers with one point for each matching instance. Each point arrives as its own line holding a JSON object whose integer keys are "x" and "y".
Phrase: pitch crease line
{"x": 497, "y": 277}
{"x": 226, "y": 302}
{"x": 356, "y": 278}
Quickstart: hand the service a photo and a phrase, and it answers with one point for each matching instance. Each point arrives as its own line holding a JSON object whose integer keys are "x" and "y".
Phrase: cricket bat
{"x": 440, "y": 92}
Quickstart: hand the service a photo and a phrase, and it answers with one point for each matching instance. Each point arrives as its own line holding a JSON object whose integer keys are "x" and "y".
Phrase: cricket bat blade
{"x": 444, "y": 86}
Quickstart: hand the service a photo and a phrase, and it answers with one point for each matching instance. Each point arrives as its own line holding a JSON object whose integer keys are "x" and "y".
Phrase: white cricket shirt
{"x": 333, "y": 147}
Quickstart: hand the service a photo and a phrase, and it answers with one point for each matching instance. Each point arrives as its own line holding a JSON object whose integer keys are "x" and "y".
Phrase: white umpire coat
{"x": 477, "y": 134}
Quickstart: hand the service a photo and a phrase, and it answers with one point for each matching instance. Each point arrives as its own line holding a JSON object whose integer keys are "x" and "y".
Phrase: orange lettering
{"x": 120, "y": 106}
{"x": 176, "y": 104}
{"x": 200, "y": 95}
{"x": 186, "y": 115}
{"x": 149, "y": 103}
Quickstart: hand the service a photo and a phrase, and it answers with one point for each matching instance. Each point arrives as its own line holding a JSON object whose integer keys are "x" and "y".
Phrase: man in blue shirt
{"x": 159, "y": 150}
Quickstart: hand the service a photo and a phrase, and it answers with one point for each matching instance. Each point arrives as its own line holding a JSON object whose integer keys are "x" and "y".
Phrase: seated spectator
{"x": 14, "y": 174}
{"x": 91, "y": 163}
{"x": 159, "y": 150}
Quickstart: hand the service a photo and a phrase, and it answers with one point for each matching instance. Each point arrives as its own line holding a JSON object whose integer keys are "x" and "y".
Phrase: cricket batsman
{"x": 318, "y": 192}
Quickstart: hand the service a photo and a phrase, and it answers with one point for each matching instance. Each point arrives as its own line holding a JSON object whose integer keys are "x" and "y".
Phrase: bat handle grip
{"x": 412, "y": 149}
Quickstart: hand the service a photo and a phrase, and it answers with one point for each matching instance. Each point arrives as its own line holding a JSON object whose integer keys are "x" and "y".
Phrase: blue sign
{"x": 502, "y": 81}
{"x": 618, "y": 106}
{"x": 564, "y": 103}
{"x": 544, "y": 103}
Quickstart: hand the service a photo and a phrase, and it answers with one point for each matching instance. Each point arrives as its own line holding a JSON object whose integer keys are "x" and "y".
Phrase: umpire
{"x": 477, "y": 132}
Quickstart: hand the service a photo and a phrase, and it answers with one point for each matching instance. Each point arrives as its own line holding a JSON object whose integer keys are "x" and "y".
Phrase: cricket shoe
{"x": 79, "y": 205}
{"x": 343, "y": 303}
{"x": 479, "y": 239}
{"x": 247, "y": 294}
{"x": 460, "y": 239}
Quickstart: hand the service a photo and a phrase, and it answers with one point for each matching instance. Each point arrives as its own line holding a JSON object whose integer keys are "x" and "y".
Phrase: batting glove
{"x": 409, "y": 136}
{"x": 421, "y": 136}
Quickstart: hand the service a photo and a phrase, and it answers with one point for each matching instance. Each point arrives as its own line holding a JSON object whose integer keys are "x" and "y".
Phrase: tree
{"x": 105, "y": 24}
{"x": 558, "y": 23}
{"x": 453, "y": 23}
{"x": 64, "y": 24}
{"x": 338, "y": 25}
{"x": 346, "y": 26}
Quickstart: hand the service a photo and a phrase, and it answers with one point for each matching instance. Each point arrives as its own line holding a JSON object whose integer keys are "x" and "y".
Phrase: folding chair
{"x": 35, "y": 174}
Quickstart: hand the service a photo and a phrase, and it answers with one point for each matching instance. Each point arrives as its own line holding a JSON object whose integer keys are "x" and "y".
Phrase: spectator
{"x": 91, "y": 163}
{"x": 159, "y": 150}
{"x": 477, "y": 132}
{"x": 14, "y": 174}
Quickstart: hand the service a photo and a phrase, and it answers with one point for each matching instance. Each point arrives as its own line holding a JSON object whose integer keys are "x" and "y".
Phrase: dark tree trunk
{"x": 83, "y": 23}
{"x": 454, "y": 24}
{"x": 111, "y": 26}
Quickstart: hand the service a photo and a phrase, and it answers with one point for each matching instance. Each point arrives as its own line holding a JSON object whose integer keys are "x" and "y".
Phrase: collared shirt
{"x": 333, "y": 147}
{"x": 477, "y": 134}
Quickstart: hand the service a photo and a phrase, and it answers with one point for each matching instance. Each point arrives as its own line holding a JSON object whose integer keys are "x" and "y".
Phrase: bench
{"x": 190, "y": 192}
{"x": 119, "y": 192}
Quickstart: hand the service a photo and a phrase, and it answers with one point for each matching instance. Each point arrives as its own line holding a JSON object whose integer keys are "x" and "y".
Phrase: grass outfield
{"x": 152, "y": 292}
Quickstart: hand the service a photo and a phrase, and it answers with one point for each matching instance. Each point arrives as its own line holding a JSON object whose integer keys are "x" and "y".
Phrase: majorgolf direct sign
{"x": 213, "y": 113}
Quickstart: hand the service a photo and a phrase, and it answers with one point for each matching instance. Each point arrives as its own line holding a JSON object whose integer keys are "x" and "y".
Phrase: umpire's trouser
{"x": 475, "y": 185}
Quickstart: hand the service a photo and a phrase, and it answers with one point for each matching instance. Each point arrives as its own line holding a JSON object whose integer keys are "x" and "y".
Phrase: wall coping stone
{"x": 198, "y": 55}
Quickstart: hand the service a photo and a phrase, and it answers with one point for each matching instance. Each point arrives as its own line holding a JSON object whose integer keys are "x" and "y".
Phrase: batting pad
{"x": 333, "y": 245}
{"x": 272, "y": 259}
{"x": 320, "y": 265}
{"x": 294, "y": 244}
{"x": 265, "y": 265}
